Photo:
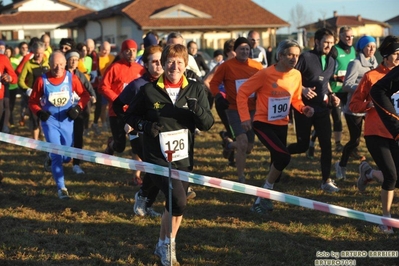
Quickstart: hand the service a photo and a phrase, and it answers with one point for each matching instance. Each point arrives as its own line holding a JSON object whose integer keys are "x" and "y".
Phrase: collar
{"x": 161, "y": 82}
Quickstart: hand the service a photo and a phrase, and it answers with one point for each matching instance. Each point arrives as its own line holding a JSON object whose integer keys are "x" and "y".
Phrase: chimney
{"x": 359, "y": 18}
{"x": 335, "y": 13}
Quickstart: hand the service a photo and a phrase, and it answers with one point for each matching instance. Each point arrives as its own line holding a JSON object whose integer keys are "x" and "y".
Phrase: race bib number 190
{"x": 278, "y": 108}
{"x": 176, "y": 141}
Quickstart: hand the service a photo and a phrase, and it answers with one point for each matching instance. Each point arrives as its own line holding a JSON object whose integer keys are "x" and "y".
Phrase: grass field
{"x": 98, "y": 226}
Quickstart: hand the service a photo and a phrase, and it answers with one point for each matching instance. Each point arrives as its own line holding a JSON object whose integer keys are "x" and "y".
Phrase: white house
{"x": 208, "y": 22}
{"x": 22, "y": 20}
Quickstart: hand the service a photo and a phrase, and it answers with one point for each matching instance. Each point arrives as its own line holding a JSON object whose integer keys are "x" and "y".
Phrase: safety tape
{"x": 105, "y": 159}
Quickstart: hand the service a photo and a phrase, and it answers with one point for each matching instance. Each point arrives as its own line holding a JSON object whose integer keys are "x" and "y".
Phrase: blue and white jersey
{"x": 57, "y": 99}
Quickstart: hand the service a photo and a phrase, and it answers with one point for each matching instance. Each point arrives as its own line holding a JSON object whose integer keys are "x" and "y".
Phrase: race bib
{"x": 59, "y": 99}
{"x": 395, "y": 102}
{"x": 278, "y": 108}
{"x": 239, "y": 82}
{"x": 176, "y": 141}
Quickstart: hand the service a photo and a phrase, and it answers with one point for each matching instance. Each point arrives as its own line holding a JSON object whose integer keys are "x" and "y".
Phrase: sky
{"x": 380, "y": 10}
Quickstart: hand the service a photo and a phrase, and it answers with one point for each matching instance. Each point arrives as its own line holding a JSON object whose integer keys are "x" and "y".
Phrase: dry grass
{"x": 98, "y": 227}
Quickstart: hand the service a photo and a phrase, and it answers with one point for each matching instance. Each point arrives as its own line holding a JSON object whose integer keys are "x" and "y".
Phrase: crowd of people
{"x": 164, "y": 93}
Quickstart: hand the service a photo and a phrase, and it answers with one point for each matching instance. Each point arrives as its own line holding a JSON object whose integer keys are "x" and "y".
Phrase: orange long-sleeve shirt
{"x": 275, "y": 92}
{"x": 232, "y": 73}
{"x": 373, "y": 125}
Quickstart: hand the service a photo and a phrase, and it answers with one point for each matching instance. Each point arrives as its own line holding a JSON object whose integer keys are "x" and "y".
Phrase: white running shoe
{"x": 340, "y": 172}
{"x": 329, "y": 186}
{"x": 63, "y": 193}
{"x": 77, "y": 170}
{"x": 140, "y": 205}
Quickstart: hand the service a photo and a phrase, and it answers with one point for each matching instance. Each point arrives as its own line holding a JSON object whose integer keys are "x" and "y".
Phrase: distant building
{"x": 394, "y": 22}
{"x": 360, "y": 26}
{"x": 208, "y": 22}
{"x": 24, "y": 19}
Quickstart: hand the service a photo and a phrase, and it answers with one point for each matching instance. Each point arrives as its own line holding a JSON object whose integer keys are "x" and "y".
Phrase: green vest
{"x": 341, "y": 64}
{"x": 15, "y": 62}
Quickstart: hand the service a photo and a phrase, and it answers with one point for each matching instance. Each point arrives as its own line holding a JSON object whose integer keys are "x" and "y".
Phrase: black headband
{"x": 390, "y": 49}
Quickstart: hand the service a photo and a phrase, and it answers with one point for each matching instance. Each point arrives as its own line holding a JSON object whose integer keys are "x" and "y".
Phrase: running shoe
{"x": 340, "y": 172}
{"x": 77, "y": 170}
{"x": 364, "y": 169}
{"x": 109, "y": 150}
{"x": 258, "y": 209}
{"x": 153, "y": 214}
{"x": 191, "y": 193}
{"x": 386, "y": 229}
{"x": 355, "y": 154}
{"x": 329, "y": 186}
{"x": 169, "y": 257}
{"x": 140, "y": 205}
{"x": 63, "y": 193}
{"x": 310, "y": 152}
{"x": 226, "y": 150}
{"x": 266, "y": 204}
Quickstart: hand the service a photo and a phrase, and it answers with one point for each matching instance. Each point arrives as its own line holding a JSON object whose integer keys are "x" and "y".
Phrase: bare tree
{"x": 299, "y": 16}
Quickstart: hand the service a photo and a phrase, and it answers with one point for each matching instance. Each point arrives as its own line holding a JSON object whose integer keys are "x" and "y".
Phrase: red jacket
{"x": 6, "y": 67}
{"x": 117, "y": 77}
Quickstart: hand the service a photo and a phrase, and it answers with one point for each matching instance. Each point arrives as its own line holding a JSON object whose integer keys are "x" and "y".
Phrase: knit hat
{"x": 149, "y": 40}
{"x": 68, "y": 42}
{"x": 71, "y": 53}
{"x": 2, "y": 43}
{"x": 389, "y": 49}
{"x": 217, "y": 53}
{"x": 239, "y": 41}
{"x": 33, "y": 40}
{"x": 128, "y": 44}
{"x": 363, "y": 41}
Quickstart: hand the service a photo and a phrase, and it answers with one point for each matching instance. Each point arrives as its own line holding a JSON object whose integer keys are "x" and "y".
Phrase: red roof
{"x": 222, "y": 14}
{"x": 42, "y": 17}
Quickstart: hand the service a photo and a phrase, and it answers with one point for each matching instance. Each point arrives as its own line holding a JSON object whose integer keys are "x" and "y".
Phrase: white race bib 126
{"x": 176, "y": 141}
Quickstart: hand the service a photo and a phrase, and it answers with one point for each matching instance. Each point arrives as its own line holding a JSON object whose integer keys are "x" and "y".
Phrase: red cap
{"x": 128, "y": 44}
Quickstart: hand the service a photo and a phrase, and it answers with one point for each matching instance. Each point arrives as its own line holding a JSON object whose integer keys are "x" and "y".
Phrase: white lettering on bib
{"x": 59, "y": 99}
{"x": 278, "y": 108}
{"x": 239, "y": 82}
{"x": 176, "y": 141}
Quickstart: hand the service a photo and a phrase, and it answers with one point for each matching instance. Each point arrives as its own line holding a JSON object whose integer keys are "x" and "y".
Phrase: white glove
{"x": 29, "y": 92}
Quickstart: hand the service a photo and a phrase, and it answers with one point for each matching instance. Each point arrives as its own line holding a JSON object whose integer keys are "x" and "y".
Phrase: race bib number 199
{"x": 176, "y": 141}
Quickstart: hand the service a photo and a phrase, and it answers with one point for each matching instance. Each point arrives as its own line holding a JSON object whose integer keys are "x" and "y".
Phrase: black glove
{"x": 221, "y": 102}
{"x": 152, "y": 128}
{"x": 192, "y": 104}
{"x": 43, "y": 115}
{"x": 74, "y": 111}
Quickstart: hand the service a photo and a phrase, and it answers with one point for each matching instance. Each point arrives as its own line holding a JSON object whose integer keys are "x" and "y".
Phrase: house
{"x": 22, "y": 20}
{"x": 394, "y": 22}
{"x": 208, "y": 22}
{"x": 360, "y": 26}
